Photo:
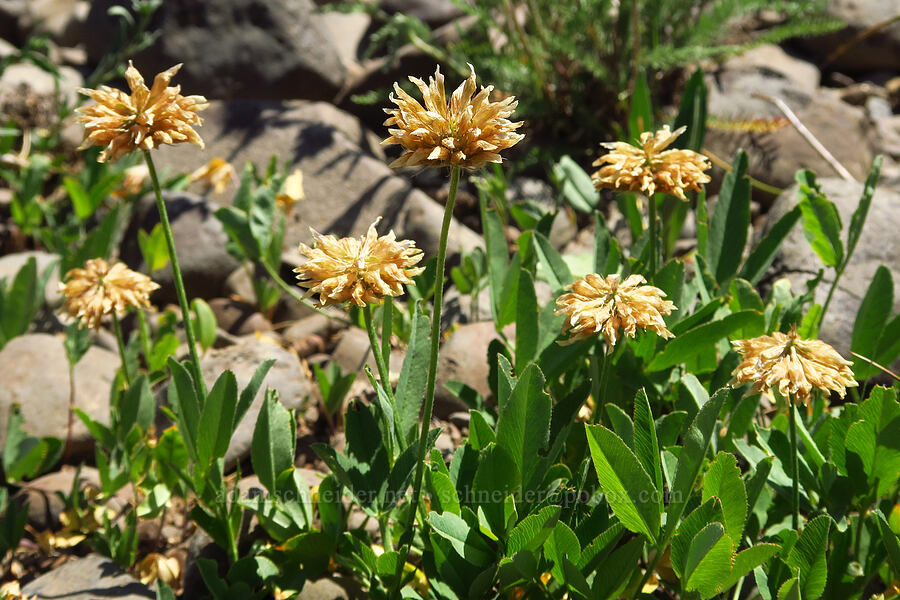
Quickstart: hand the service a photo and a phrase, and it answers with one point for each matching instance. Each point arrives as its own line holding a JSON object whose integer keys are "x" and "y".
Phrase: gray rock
{"x": 877, "y": 246}
{"x": 28, "y": 93}
{"x": 353, "y": 353}
{"x": 35, "y": 374}
{"x": 323, "y": 589}
{"x": 286, "y": 376}
{"x": 199, "y": 240}
{"x": 463, "y": 357}
{"x": 433, "y": 12}
{"x": 238, "y": 318}
{"x": 11, "y": 263}
{"x": 62, "y": 20}
{"x": 87, "y": 578}
{"x": 273, "y": 49}
{"x": 347, "y": 32}
{"x": 346, "y": 188}
{"x": 876, "y": 52}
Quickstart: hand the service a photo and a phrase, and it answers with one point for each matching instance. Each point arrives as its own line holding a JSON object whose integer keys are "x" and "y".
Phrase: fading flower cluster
{"x": 98, "y": 290}
{"x": 362, "y": 270}
{"x": 651, "y": 168}
{"x": 468, "y": 132}
{"x": 133, "y": 181}
{"x": 606, "y": 305}
{"x": 215, "y": 174}
{"x": 792, "y": 366}
{"x": 144, "y": 119}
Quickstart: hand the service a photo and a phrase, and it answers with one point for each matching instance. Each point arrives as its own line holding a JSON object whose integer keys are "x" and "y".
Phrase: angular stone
{"x": 87, "y": 578}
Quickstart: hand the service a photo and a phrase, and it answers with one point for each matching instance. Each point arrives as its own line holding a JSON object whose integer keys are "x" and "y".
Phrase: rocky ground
{"x": 282, "y": 86}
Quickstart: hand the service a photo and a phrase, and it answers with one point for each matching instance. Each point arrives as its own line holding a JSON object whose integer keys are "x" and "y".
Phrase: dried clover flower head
{"x": 363, "y": 270}
{"x": 468, "y": 132}
{"x": 142, "y": 120}
{"x": 792, "y": 366}
{"x": 651, "y": 168}
{"x": 215, "y": 174}
{"x": 133, "y": 182}
{"x": 605, "y": 305}
{"x": 291, "y": 191}
{"x": 98, "y": 290}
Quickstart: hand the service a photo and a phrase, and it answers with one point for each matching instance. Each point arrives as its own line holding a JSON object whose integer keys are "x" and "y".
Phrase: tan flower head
{"x": 606, "y": 305}
{"x": 133, "y": 182}
{"x": 468, "y": 132}
{"x": 98, "y": 290}
{"x": 291, "y": 191}
{"x": 215, "y": 174}
{"x": 142, "y": 120}
{"x": 791, "y": 365}
{"x": 651, "y": 168}
{"x": 363, "y": 270}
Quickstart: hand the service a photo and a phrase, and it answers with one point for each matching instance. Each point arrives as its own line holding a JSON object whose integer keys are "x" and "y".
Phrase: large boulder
{"x": 776, "y": 150}
{"x": 878, "y": 245}
{"x": 35, "y": 374}
{"x": 275, "y": 49}
{"x": 199, "y": 240}
{"x": 87, "y": 578}
{"x": 346, "y": 187}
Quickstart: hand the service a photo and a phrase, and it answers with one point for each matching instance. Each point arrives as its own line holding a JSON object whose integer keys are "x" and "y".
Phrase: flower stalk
{"x": 795, "y": 467}
{"x": 199, "y": 385}
{"x": 120, "y": 342}
{"x": 432, "y": 373}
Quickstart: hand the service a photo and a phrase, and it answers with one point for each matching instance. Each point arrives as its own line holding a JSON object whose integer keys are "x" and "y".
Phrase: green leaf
{"x": 575, "y": 185}
{"x": 20, "y": 302}
{"x": 760, "y": 259}
{"x": 204, "y": 323}
{"x": 609, "y": 582}
{"x": 640, "y": 114}
{"x": 646, "y": 446}
{"x": 874, "y": 439}
{"x": 808, "y": 556}
{"x": 730, "y": 222}
{"x": 217, "y": 420}
{"x": 497, "y": 254}
{"x": 523, "y": 426}
{"x": 532, "y": 531}
{"x": 790, "y": 590}
{"x": 821, "y": 220}
{"x": 627, "y": 486}
{"x": 692, "y": 112}
{"x": 237, "y": 227}
{"x": 723, "y": 480}
{"x": 555, "y": 270}
{"x": 249, "y": 393}
{"x": 526, "y": 321}
{"x": 690, "y": 459}
{"x": 138, "y": 407}
{"x": 891, "y": 543}
{"x": 871, "y": 319}
{"x": 153, "y": 248}
{"x": 858, "y": 220}
{"x": 708, "y": 560}
{"x": 703, "y": 337}
{"x": 467, "y": 542}
{"x": 272, "y": 448}
{"x": 185, "y": 404}
{"x": 81, "y": 200}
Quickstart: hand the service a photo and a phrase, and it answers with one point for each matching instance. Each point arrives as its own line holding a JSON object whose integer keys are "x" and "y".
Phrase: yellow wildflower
{"x": 98, "y": 290}
{"x": 605, "y": 305}
{"x": 468, "y": 132}
{"x": 142, "y": 120}
{"x": 791, "y": 365}
{"x": 363, "y": 270}
{"x": 651, "y": 168}
{"x": 291, "y": 191}
{"x": 215, "y": 174}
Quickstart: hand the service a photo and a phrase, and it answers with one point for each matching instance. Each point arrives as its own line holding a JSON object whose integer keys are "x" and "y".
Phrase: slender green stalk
{"x": 199, "y": 385}
{"x": 651, "y": 238}
{"x": 795, "y": 466}
{"x": 383, "y": 373}
{"x": 296, "y": 295}
{"x": 599, "y": 379}
{"x": 120, "y": 342}
{"x": 145, "y": 336}
{"x": 432, "y": 374}
{"x": 387, "y": 325}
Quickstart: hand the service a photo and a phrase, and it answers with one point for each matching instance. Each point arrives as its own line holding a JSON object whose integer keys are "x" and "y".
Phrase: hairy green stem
{"x": 199, "y": 385}
{"x": 795, "y": 466}
{"x": 651, "y": 238}
{"x": 120, "y": 342}
{"x": 383, "y": 373}
{"x": 144, "y": 329}
{"x": 432, "y": 374}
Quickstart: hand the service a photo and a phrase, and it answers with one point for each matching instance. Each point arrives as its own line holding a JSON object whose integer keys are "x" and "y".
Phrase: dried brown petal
{"x": 362, "y": 270}
{"x": 650, "y": 168}
{"x": 467, "y": 132}
{"x": 606, "y": 305}
{"x": 98, "y": 290}
{"x": 142, "y": 120}
{"x": 792, "y": 366}
{"x": 215, "y": 174}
